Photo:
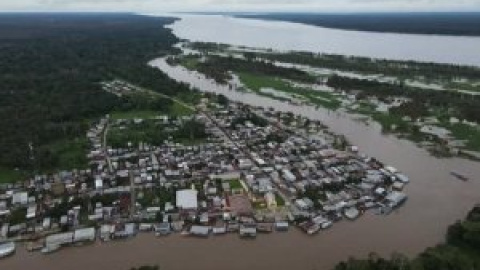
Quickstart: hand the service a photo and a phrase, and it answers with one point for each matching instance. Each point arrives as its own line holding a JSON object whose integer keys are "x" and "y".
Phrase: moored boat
{"x": 7, "y": 249}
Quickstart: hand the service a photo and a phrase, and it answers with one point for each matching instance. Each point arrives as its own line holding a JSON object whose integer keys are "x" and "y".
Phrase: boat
{"x": 459, "y": 176}
{"x": 313, "y": 229}
{"x": 325, "y": 225}
{"x": 7, "y": 249}
{"x": 248, "y": 231}
{"x": 351, "y": 213}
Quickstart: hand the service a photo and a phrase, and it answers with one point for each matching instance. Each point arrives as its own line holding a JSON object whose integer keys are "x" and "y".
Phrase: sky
{"x": 154, "y": 6}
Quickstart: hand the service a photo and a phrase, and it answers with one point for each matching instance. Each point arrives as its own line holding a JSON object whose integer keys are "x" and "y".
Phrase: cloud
{"x": 230, "y": 5}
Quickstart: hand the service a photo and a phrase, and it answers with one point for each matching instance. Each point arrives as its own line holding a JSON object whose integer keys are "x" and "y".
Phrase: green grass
{"x": 259, "y": 205}
{"x": 235, "y": 184}
{"x": 178, "y": 109}
{"x": 280, "y": 200}
{"x": 71, "y": 153}
{"x": 175, "y": 110}
{"x": 388, "y": 120}
{"x": 10, "y": 175}
{"x": 256, "y": 82}
{"x": 466, "y": 132}
{"x": 147, "y": 114}
{"x": 190, "y": 63}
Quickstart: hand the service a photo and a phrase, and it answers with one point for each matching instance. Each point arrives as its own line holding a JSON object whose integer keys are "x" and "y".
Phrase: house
{"x": 244, "y": 164}
{"x": 31, "y": 211}
{"x": 106, "y": 231}
{"x": 163, "y": 228}
{"x": 59, "y": 239}
{"x": 248, "y": 231}
{"x": 202, "y": 231}
{"x": 98, "y": 182}
{"x": 126, "y": 230}
{"x": 281, "y": 226}
{"x": 20, "y": 198}
{"x": 84, "y": 235}
{"x": 264, "y": 185}
{"x": 288, "y": 175}
{"x": 145, "y": 227}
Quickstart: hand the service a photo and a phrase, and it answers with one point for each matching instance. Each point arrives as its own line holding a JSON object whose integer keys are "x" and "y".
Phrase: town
{"x": 226, "y": 168}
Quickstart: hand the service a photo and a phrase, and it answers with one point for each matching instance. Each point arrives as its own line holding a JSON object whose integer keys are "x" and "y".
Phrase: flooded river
{"x": 436, "y": 200}
{"x": 294, "y": 36}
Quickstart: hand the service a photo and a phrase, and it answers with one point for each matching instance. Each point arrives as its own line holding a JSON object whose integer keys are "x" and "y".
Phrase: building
{"x": 187, "y": 199}
{"x": 202, "y": 231}
{"x": 84, "y": 235}
{"x": 163, "y": 228}
{"x": 59, "y": 239}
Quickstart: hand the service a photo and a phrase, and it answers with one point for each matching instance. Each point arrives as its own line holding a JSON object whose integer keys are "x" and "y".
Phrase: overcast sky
{"x": 152, "y": 6}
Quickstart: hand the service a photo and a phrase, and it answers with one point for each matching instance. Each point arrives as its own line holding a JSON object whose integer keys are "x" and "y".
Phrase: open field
{"x": 10, "y": 176}
{"x": 71, "y": 153}
{"x": 134, "y": 114}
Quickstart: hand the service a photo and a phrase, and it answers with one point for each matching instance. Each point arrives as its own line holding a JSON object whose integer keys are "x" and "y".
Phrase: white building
{"x": 187, "y": 199}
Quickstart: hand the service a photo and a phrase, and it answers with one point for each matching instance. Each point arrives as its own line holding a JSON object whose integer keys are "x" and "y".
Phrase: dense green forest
{"x": 443, "y": 23}
{"x": 50, "y": 69}
{"x": 459, "y": 252}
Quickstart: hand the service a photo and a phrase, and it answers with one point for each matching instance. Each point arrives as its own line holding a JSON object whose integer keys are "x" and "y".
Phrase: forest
{"x": 440, "y": 23}
{"x": 50, "y": 72}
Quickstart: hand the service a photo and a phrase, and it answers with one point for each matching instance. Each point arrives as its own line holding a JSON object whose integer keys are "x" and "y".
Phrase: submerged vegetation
{"x": 403, "y": 96}
{"x": 219, "y": 67}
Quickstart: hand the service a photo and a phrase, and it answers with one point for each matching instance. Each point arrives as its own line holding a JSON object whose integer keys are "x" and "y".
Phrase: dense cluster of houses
{"x": 259, "y": 171}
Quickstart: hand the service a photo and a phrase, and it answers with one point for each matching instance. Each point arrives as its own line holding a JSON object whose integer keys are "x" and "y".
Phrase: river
{"x": 436, "y": 200}
{"x": 294, "y": 36}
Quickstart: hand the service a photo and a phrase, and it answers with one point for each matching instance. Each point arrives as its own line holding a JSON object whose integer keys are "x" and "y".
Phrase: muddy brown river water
{"x": 436, "y": 199}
